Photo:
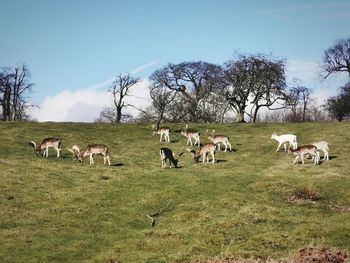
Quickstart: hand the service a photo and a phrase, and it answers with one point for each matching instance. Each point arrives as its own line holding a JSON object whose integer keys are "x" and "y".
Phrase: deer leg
{"x": 58, "y": 152}
{"x": 278, "y": 147}
{"x": 225, "y": 147}
{"x": 285, "y": 146}
{"x": 296, "y": 158}
{"x": 203, "y": 157}
{"x": 91, "y": 160}
{"x": 229, "y": 144}
{"x": 212, "y": 154}
{"x": 302, "y": 158}
{"x": 199, "y": 143}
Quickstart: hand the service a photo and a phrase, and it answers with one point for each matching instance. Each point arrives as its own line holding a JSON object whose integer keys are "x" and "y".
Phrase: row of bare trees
{"x": 15, "y": 90}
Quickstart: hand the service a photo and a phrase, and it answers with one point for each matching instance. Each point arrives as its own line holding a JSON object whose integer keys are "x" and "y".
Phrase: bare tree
{"x": 193, "y": 82}
{"x": 14, "y": 93}
{"x": 120, "y": 89}
{"x": 299, "y": 101}
{"x": 337, "y": 58}
{"x": 254, "y": 79}
{"x": 162, "y": 97}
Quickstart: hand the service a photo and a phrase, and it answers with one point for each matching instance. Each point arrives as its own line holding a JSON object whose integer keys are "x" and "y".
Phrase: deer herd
{"x": 289, "y": 142}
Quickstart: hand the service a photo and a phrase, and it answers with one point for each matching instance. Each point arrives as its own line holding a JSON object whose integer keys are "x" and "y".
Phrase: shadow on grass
{"x": 220, "y": 161}
{"x": 117, "y": 164}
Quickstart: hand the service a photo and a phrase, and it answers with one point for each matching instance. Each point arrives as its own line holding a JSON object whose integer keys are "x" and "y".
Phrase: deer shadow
{"x": 117, "y": 164}
{"x": 220, "y": 161}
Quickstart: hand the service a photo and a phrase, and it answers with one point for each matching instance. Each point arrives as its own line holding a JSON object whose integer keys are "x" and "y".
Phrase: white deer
{"x": 167, "y": 154}
{"x": 305, "y": 150}
{"x": 91, "y": 150}
{"x": 163, "y": 131}
{"x": 217, "y": 139}
{"x": 191, "y": 133}
{"x": 283, "y": 139}
{"x": 204, "y": 151}
{"x": 324, "y": 147}
{"x": 46, "y": 144}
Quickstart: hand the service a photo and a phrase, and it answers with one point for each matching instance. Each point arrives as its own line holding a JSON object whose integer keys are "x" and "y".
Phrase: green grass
{"x": 58, "y": 210}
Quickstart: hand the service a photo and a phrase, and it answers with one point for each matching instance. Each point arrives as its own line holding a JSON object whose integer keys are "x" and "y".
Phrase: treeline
{"x": 238, "y": 90}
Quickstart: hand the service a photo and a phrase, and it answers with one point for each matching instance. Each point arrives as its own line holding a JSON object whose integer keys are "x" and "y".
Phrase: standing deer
{"x": 91, "y": 150}
{"x": 191, "y": 133}
{"x": 163, "y": 131}
{"x": 167, "y": 154}
{"x": 283, "y": 139}
{"x": 46, "y": 144}
{"x": 204, "y": 150}
{"x": 323, "y": 146}
{"x": 304, "y": 150}
{"x": 217, "y": 139}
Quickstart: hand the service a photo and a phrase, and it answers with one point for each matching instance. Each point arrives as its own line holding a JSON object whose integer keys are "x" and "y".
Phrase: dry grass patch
{"x": 305, "y": 193}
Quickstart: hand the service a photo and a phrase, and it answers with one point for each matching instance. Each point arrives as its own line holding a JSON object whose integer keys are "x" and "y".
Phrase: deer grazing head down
{"x": 45, "y": 145}
{"x": 167, "y": 154}
{"x": 204, "y": 152}
{"x": 90, "y": 150}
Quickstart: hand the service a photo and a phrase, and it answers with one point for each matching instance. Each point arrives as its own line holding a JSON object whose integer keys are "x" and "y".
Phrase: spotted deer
{"x": 163, "y": 131}
{"x": 304, "y": 150}
{"x": 191, "y": 133}
{"x": 167, "y": 155}
{"x": 90, "y": 150}
{"x": 204, "y": 151}
{"x": 217, "y": 139}
{"x": 46, "y": 144}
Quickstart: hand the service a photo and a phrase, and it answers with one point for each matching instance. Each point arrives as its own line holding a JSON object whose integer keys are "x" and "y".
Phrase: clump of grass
{"x": 305, "y": 193}
{"x": 305, "y": 255}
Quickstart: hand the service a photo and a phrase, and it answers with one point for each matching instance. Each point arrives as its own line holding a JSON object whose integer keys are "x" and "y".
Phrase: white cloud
{"x": 85, "y": 105}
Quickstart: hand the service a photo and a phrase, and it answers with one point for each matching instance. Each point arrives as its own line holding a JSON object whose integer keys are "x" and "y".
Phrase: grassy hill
{"x": 58, "y": 210}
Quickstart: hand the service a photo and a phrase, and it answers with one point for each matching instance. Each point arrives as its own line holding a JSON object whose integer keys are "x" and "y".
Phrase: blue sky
{"x": 74, "y": 45}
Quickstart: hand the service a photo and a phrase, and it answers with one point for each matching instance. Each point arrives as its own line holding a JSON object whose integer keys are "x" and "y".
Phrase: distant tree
{"x": 337, "y": 58}
{"x": 162, "y": 97}
{"x": 256, "y": 80}
{"x": 193, "y": 82}
{"x": 339, "y": 106}
{"x": 299, "y": 101}
{"x": 120, "y": 89}
{"x": 15, "y": 91}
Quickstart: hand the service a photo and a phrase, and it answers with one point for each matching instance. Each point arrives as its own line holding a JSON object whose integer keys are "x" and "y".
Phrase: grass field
{"x": 58, "y": 210}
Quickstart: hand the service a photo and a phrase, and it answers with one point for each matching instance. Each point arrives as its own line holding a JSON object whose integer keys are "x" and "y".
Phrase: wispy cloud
{"x": 85, "y": 105}
{"x": 133, "y": 71}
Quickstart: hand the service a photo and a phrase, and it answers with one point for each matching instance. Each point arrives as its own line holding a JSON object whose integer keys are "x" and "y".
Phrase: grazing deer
{"x": 167, "y": 154}
{"x": 163, "y": 131}
{"x": 217, "y": 139}
{"x": 303, "y": 150}
{"x": 191, "y": 133}
{"x": 46, "y": 144}
{"x": 204, "y": 150}
{"x": 91, "y": 150}
{"x": 283, "y": 139}
{"x": 323, "y": 146}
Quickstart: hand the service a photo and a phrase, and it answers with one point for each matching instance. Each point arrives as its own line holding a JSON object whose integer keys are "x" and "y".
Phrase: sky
{"x": 74, "y": 49}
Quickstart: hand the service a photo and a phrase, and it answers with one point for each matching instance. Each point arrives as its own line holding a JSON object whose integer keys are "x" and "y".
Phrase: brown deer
{"x": 163, "y": 131}
{"x": 46, "y": 144}
{"x": 204, "y": 151}
{"x": 217, "y": 139}
{"x": 90, "y": 150}
{"x": 191, "y": 133}
{"x": 304, "y": 150}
